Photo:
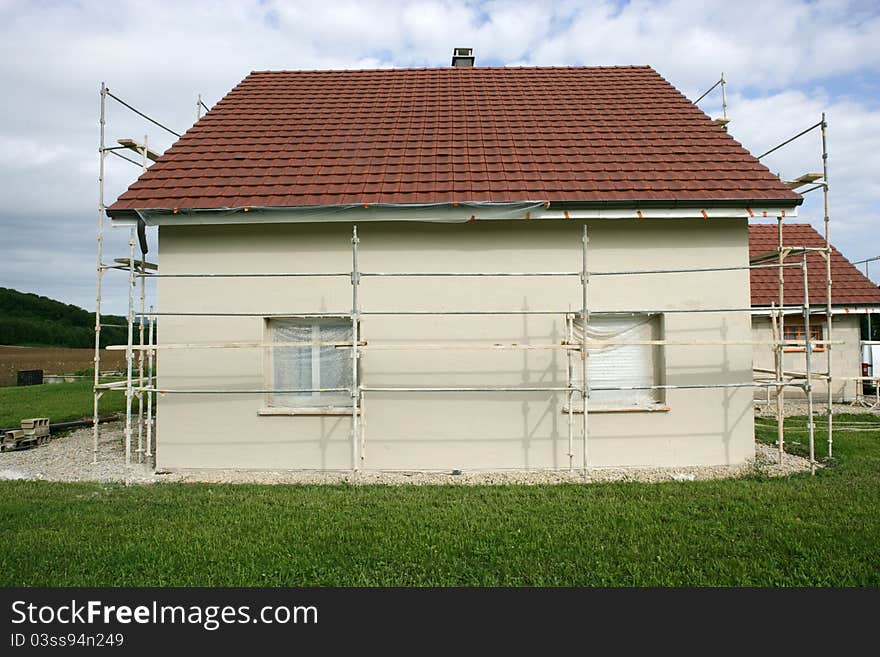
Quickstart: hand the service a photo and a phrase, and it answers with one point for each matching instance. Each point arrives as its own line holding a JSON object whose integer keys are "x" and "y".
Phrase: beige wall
{"x": 845, "y": 358}
{"x": 453, "y": 430}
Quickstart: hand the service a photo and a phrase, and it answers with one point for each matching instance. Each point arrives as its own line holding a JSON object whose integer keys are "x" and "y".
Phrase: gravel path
{"x": 69, "y": 458}
{"x": 794, "y": 408}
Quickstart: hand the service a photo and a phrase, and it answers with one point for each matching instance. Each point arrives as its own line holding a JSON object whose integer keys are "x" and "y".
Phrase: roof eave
{"x": 836, "y": 308}
{"x": 468, "y": 211}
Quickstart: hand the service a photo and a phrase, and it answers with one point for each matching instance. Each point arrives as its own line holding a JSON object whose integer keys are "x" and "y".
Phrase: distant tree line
{"x": 29, "y": 319}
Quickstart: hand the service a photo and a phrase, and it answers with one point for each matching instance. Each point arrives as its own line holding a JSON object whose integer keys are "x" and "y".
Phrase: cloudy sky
{"x": 786, "y": 61}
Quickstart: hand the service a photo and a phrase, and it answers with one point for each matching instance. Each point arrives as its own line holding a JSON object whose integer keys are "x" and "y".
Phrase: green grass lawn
{"x": 796, "y": 531}
{"x": 60, "y": 402}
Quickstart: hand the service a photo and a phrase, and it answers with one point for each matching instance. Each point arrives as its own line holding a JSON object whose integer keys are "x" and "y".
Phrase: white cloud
{"x": 759, "y": 44}
{"x": 786, "y": 61}
{"x": 854, "y": 158}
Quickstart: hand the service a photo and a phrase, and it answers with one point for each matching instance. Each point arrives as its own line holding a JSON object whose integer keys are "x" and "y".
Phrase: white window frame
{"x": 658, "y": 377}
{"x": 317, "y": 408}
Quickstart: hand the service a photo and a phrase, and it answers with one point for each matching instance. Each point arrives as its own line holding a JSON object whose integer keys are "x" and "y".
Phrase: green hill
{"x": 31, "y": 320}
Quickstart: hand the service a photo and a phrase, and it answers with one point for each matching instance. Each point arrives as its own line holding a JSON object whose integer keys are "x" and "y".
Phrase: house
{"x": 852, "y": 296}
{"x": 453, "y": 170}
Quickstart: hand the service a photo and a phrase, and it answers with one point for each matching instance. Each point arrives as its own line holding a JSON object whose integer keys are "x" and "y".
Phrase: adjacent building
{"x": 852, "y": 296}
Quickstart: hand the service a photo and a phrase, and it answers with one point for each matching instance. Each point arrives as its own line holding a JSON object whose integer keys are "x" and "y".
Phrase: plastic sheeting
{"x": 621, "y": 365}
{"x": 313, "y": 366}
{"x": 427, "y": 212}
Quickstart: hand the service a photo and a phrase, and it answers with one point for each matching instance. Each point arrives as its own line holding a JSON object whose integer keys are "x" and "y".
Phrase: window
{"x": 799, "y": 332}
{"x": 622, "y": 364}
{"x": 310, "y": 367}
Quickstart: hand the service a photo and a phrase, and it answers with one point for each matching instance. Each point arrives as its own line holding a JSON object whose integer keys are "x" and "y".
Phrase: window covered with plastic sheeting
{"x": 621, "y": 365}
{"x": 316, "y": 375}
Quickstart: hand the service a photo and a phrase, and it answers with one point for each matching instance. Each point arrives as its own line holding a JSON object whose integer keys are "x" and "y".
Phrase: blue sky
{"x": 785, "y": 61}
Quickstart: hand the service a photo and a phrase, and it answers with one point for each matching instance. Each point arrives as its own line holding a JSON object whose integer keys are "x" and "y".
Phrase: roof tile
{"x": 550, "y": 134}
{"x": 848, "y": 285}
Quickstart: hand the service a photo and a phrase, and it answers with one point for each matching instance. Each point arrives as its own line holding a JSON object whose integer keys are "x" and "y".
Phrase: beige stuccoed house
{"x": 852, "y": 296}
{"x": 453, "y": 170}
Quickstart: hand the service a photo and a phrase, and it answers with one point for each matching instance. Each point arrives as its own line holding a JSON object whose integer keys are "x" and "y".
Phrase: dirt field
{"x": 53, "y": 361}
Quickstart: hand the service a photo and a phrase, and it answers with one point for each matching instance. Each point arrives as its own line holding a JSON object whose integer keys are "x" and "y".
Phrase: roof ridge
{"x": 396, "y": 69}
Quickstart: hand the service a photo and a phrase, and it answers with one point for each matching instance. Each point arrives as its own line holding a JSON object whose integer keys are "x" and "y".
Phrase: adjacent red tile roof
{"x": 412, "y": 136}
{"x": 848, "y": 285}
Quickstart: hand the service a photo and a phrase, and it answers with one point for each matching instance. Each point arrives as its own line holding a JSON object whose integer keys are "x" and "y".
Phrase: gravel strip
{"x": 795, "y": 408}
{"x": 69, "y": 458}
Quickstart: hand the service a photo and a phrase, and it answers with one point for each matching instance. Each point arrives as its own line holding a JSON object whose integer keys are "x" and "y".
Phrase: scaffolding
{"x": 358, "y": 345}
{"x": 141, "y": 382}
{"x": 814, "y": 181}
{"x": 139, "y": 376}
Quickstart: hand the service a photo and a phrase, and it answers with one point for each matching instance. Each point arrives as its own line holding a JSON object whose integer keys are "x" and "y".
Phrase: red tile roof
{"x": 848, "y": 285}
{"x": 413, "y": 136}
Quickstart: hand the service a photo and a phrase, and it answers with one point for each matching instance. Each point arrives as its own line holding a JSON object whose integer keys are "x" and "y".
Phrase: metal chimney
{"x": 463, "y": 57}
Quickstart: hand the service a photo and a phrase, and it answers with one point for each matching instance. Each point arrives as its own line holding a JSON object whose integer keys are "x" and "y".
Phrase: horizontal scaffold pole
{"x": 696, "y": 386}
{"x": 442, "y": 274}
{"x": 393, "y": 313}
{"x": 573, "y": 346}
{"x": 691, "y": 271}
{"x": 236, "y": 391}
{"x": 469, "y": 273}
{"x": 469, "y": 389}
{"x": 251, "y": 275}
{"x": 342, "y": 313}
{"x": 700, "y": 386}
{"x": 260, "y": 391}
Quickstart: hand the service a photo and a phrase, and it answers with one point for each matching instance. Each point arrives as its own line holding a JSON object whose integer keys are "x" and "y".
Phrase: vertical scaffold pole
{"x": 362, "y": 423}
{"x": 870, "y": 332}
{"x": 585, "y": 317}
{"x": 723, "y": 96}
{"x": 100, "y": 274}
{"x": 808, "y": 351}
{"x": 780, "y": 350}
{"x": 129, "y": 351}
{"x": 140, "y": 375}
{"x": 150, "y": 384}
{"x": 829, "y": 318}
{"x": 143, "y": 284}
{"x": 569, "y": 340}
{"x": 355, "y": 384}
{"x": 774, "y": 334}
